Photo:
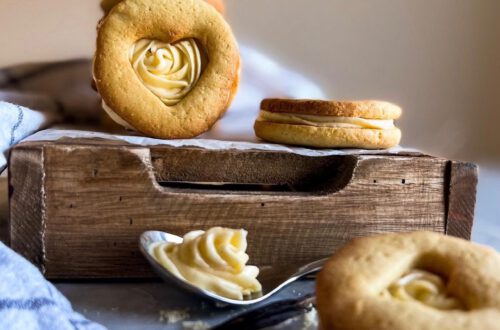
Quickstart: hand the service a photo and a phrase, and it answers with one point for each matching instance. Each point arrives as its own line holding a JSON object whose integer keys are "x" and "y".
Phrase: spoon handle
{"x": 311, "y": 268}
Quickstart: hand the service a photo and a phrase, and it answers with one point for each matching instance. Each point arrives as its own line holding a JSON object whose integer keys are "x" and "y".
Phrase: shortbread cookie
{"x": 411, "y": 281}
{"x": 329, "y": 124}
{"x": 107, "y": 5}
{"x": 166, "y": 68}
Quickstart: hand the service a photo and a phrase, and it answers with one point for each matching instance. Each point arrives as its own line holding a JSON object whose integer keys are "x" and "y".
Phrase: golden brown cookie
{"x": 107, "y": 5}
{"x": 411, "y": 281}
{"x": 166, "y": 68}
{"x": 329, "y": 124}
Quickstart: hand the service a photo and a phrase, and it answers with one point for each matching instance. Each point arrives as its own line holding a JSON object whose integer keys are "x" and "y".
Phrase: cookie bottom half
{"x": 327, "y": 137}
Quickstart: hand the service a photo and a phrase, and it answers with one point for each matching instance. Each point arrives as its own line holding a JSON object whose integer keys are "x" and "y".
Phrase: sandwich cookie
{"x": 329, "y": 124}
{"x": 166, "y": 68}
{"x": 410, "y": 281}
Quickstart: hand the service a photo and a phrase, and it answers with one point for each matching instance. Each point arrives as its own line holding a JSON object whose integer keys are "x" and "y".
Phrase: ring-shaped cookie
{"x": 352, "y": 287}
{"x": 167, "y": 21}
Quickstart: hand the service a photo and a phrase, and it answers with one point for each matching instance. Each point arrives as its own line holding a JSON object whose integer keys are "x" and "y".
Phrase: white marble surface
{"x": 141, "y": 305}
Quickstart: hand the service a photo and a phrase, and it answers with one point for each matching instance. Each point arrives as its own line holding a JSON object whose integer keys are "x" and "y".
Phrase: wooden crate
{"x": 77, "y": 207}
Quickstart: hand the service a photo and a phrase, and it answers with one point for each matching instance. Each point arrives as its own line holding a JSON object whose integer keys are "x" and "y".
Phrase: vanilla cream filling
{"x": 117, "y": 119}
{"x": 214, "y": 260}
{"x": 324, "y": 121}
{"x": 426, "y": 288}
{"x": 170, "y": 71}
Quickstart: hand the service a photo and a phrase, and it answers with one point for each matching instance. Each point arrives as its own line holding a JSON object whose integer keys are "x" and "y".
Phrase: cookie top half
{"x": 369, "y": 109}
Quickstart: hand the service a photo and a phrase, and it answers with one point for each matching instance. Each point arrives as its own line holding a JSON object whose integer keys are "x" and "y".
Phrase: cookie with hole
{"x": 168, "y": 69}
{"x": 411, "y": 281}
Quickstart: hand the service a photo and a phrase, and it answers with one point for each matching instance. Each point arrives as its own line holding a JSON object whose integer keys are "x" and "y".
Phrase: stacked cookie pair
{"x": 329, "y": 124}
{"x": 170, "y": 69}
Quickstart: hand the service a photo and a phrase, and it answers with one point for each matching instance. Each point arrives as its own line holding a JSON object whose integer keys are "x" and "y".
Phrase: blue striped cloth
{"x": 37, "y": 95}
{"x": 28, "y": 301}
{"x": 16, "y": 123}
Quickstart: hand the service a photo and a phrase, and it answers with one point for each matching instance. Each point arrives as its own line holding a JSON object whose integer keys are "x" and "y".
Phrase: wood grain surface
{"x": 461, "y": 199}
{"x": 78, "y": 208}
{"x": 27, "y": 208}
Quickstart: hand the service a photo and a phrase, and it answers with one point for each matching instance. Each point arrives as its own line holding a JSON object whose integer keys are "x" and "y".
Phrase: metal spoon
{"x": 273, "y": 279}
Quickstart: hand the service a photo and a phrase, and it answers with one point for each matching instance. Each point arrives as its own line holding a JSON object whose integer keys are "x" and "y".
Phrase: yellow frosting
{"x": 214, "y": 260}
{"x": 170, "y": 71}
{"x": 426, "y": 288}
{"x": 324, "y": 121}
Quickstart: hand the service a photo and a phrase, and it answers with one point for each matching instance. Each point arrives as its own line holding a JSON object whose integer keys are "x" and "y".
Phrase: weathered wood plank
{"x": 4, "y": 208}
{"x": 27, "y": 209}
{"x": 98, "y": 199}
{"x": 461, "y": 199}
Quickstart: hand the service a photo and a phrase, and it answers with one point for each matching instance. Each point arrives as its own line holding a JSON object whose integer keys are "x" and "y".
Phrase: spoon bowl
{"x": 272, "y": 278}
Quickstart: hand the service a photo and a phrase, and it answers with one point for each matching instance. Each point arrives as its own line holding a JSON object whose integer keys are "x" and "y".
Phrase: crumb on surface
{"x": 311, "y": 320}
{"x": 219, "y": 304}
{"x": 173, "y": 316}
{"x": 195, "y": 325}
{"x": 307, "y": 321}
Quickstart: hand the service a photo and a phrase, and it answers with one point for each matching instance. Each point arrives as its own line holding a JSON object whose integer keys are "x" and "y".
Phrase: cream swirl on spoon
{"x": 214, "y": 260}
{"x": 170, "y": 71}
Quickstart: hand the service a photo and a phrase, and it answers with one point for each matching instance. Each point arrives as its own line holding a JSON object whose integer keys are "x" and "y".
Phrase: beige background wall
{"x": 440, "y": 60}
